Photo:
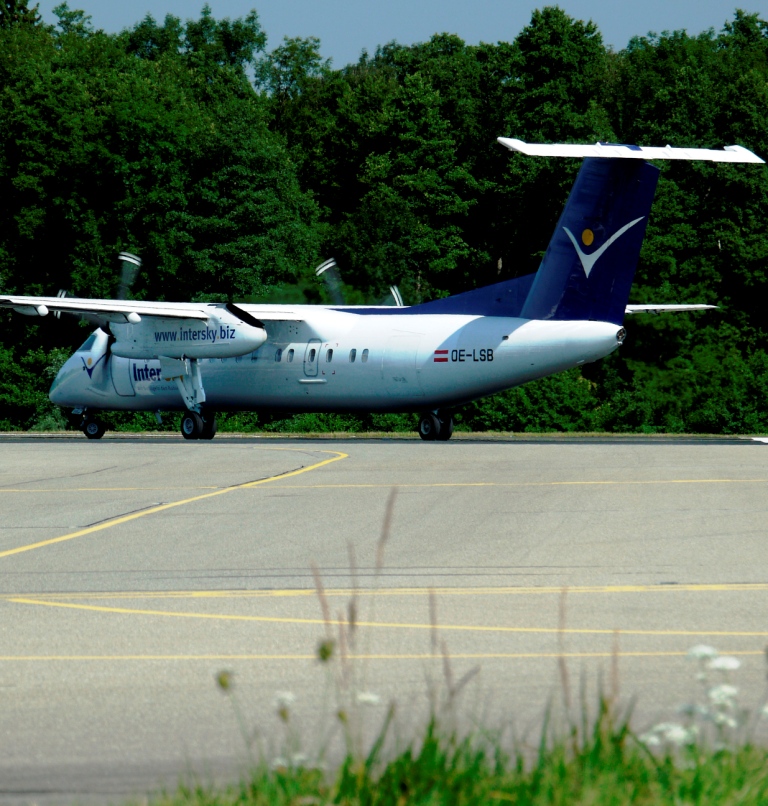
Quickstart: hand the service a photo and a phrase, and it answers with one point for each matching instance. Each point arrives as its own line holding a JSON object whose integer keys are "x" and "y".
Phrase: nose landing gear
{"x": 436, "y": 426}
{"x": 91, "y": 427}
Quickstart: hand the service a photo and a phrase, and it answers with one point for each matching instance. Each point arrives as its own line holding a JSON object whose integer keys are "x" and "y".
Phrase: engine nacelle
{"x": 222, "y": 335}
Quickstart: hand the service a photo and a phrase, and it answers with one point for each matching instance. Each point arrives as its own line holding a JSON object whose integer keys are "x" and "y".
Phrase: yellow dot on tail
{"x": 90, "y": 361}
{"x": 587, "y": 237}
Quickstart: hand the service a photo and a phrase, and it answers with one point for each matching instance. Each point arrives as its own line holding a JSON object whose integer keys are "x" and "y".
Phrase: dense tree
{"x": 167, "y": 153}
{"x": 17, "y": 12}
{"x": 232, "y": 171}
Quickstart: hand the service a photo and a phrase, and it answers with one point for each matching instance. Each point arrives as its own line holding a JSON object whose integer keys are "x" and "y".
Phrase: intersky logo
{"x": 90, "y": 365}
{"x": 588, "y": 261}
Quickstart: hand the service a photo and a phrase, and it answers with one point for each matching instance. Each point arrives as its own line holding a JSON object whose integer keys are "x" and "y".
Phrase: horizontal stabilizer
{"x": 619, "y": 151}
{"x": 667, "y": 308}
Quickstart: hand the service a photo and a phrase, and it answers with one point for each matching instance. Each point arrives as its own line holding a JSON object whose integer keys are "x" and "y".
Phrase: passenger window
{"x": 352, "y": 356}
{"x": 364, "y": 356}
{"x": 312, "y": 354}
{"x": 329, "y": 356}
{"x": 290, "y": 355}
{"x": 278, "y": 354}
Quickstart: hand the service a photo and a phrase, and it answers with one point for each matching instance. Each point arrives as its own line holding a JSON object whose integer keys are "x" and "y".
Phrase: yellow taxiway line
{"x": 395, "y": 625}
{"x": 506, "y": 590}
{"x": 390, "y": 485}
{"x": 108, "y": 524}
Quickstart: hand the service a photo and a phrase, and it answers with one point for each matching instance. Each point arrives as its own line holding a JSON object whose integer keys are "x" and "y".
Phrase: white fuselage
{"x": 321, "y": 359}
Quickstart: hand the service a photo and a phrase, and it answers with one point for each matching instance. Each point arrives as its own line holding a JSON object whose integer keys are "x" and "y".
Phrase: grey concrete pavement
{"x": 134, "y": 570}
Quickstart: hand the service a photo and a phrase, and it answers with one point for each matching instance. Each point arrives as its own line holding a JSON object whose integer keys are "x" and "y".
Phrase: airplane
{"x": 200, "y": 358}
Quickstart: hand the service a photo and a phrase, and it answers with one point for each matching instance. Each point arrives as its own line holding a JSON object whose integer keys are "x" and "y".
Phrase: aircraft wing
{"x": 272, "y": 316}
{"x": 619, "y": 151}
{"x": 666, "y": 308}
{"x": 121, "y": 311}
{"x": 108, "y": 309}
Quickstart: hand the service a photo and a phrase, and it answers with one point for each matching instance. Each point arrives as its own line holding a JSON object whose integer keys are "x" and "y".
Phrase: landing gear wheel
{"x": 192, "y": 425}
{"x": 429, "y": 426}
{"x": 209, "y": 426}
{"x": 93, "y": 429}
{"x": 446, "y": 427}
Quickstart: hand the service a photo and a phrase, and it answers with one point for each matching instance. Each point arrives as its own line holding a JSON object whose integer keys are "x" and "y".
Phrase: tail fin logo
{"x": 588, "y": 261}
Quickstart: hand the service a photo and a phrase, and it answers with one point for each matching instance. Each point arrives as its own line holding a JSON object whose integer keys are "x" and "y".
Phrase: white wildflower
{"x": 663, "y": 727}
{"x": 650, "y": 740}
{"x": 723, "y": 695}
{"x": 764, "y": 712}
{"x": 702, "y": 652}
{"x": 724, "y": 721}
{"x": 679, "y": 736}
{"x": 299, "y": 760}
{"x": 724, "y": 663}
{"x": 368, "y": 698}
{"x": 284, "y": 699}
{"x": 670, "y": 732}
{"x": 280, "y": 763}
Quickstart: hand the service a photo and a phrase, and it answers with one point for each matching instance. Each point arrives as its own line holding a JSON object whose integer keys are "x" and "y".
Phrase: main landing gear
{"x": 196, "y": 426}
{"x": 436, "y": 426}
{"x": 197, "y": 422}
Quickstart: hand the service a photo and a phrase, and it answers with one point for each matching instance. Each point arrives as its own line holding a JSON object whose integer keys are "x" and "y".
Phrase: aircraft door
{"x": 121, "y": 376}
{"x": 312, "y": 358}
{"x": 400, "y": 369}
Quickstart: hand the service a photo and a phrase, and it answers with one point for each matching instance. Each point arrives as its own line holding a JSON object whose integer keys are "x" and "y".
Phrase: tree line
{"x": 233, "y": 171}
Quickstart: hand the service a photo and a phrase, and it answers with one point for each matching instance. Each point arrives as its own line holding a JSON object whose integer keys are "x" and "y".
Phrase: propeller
{"x": 394, "y": 294}
{"x": 62, "y": 293}
{"x": 328, "y": 272}
{"x": 130, "y": 265}
{"x": 129, "y": 269}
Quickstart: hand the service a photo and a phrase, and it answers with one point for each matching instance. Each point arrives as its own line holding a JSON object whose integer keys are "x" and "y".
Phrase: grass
{"x": 708, "y": 757}
{"x": 609, "y": 766}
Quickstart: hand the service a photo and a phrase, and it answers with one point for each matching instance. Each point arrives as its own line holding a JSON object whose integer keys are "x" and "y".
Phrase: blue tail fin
{"x": 588, "y": 268}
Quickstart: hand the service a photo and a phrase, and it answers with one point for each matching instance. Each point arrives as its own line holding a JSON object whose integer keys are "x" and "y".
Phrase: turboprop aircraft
{"x": 204, "y": 357}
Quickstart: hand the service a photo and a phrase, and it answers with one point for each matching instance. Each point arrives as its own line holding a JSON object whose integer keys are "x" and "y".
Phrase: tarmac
{"x": 135, "y": 570}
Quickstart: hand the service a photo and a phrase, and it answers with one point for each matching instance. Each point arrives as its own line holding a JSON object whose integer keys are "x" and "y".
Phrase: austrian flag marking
{"x": 441, "y": 356}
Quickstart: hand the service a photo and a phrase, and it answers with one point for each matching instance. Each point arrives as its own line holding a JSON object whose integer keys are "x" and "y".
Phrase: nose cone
{"x": 68, "y": 383}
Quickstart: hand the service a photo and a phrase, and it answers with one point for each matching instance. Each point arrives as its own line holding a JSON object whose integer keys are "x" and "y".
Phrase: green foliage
{"x": 169, "y": 156}
{"x": 607, "y": 766}
{"x": 24, "y": 382}
{"x": 17, "y": 12}
{"x": 562, "y": 402}
{"x": 233, "y": 171}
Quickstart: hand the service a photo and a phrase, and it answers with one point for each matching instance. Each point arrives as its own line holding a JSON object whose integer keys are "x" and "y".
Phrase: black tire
{"x": 191, "y": 425}
{"x": 209, "y": 426}
{"x": 429, "y": 427}
{"x": 93, "y": 429}
{"x": 446, "y": 428}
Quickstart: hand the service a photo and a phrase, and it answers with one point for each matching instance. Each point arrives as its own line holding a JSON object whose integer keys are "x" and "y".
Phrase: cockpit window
{"x": 87, "y": 344}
